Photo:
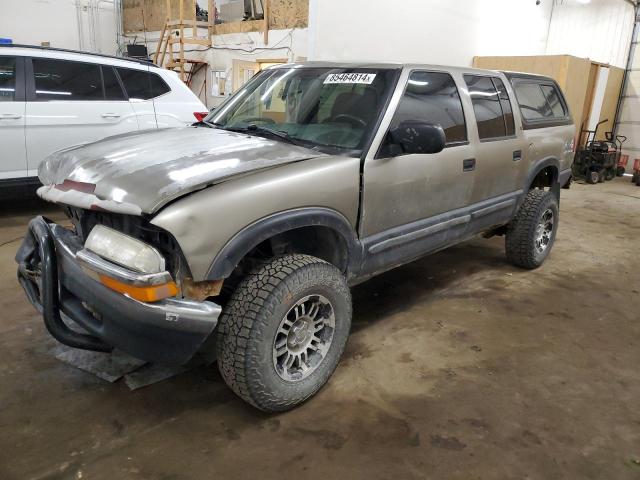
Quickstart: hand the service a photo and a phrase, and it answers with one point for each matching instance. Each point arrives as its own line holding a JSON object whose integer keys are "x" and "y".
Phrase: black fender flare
{"x": 249, "y": 237}
{"x": 540, "y": 165}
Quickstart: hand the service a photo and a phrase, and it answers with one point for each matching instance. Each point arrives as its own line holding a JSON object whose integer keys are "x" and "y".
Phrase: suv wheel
{"x": 531, "y": 234}
{"x": 283, "y": 331}
{"x": 593, "y": 176}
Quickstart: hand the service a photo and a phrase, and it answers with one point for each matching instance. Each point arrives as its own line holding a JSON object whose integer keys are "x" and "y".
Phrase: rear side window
{"x": 112, "y": 88}
{"x": 142, "y": 85}
{"x": 64, "y": 80}
{"x": 553, "y": 99}
{"x": 433, "y": 97}
{"x": 491, "y": 107}
{"x": 7, "y": 79}
{"x": 539, "y": 101}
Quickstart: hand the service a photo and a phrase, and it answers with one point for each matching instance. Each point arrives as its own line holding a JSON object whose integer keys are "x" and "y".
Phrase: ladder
{"x": 173, "y": 34}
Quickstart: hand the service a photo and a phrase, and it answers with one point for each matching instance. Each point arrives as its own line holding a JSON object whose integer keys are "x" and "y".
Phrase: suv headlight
{"x": 124, "y": 250}
{"x": 126, "y": 265}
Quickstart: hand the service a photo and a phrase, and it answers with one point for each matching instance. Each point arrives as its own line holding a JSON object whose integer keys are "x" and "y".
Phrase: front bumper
{"x": 170, "y": 331}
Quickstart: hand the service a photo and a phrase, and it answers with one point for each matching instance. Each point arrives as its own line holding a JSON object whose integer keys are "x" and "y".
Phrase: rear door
{"x": 13, "y": 159}
{"x": 71, "y": 103}
{"x": 500, "y": 156}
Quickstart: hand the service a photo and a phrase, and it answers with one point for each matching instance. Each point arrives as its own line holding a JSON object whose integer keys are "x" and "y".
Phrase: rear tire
{"x": 620, "y": 171}
{"x": 290, "y": 307}
{"x": 531, "y": 233}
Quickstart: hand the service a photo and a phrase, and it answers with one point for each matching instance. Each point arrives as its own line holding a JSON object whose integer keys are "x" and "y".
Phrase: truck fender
{"x": 248, "y": 238}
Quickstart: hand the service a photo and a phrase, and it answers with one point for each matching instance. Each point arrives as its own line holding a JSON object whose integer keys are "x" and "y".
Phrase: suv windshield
{"x": 324, "y": 108}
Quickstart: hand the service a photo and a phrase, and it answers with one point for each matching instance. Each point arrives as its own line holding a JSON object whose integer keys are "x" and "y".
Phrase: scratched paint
{"x": 145, "y": 170}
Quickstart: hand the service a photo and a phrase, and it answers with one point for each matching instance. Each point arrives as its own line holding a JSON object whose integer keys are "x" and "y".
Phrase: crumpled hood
{"x": 142, "y": 171}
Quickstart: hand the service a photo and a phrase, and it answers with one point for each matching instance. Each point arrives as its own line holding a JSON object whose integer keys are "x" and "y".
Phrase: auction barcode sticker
{"x": 366, "y": 78}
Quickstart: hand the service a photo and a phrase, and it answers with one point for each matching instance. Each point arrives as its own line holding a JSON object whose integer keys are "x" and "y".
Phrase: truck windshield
{"x": 329, "y": 109}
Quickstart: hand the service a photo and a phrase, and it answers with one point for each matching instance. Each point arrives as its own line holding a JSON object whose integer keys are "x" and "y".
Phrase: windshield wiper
{"x": 258, "y": 129}
{"x": 207, "y": 124}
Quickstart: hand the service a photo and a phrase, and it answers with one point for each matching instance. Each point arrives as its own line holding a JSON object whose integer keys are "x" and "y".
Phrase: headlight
{"x": 124, "y": 250}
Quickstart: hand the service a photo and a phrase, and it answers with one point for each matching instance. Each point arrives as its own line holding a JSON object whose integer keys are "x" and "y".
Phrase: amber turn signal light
{"x": 151, "y": 293}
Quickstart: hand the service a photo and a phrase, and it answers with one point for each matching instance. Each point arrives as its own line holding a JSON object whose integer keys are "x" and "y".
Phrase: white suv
{"x": 53, "y": 99}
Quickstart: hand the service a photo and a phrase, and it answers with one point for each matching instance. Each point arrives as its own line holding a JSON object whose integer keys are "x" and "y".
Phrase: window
{"x": 112, "y": 88}
{"x": 64, "y": 80}
{"x": 553, "y": 99}
{"x": 331, "y": 109}
{"x": 433, "y": 97}
{"x": 539, "y": 101}
{"x": 141, "y": 84}
{"x": 7, "y": 79}
{"x": 491, "y": 106}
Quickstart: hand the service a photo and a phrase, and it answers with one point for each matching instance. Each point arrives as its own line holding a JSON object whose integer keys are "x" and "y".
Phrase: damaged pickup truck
{"x": 244, "y": 232}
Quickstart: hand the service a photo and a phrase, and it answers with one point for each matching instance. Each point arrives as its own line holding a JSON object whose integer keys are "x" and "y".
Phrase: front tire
{"x": 283, "y": 331}
{"x": 531, "y": 233}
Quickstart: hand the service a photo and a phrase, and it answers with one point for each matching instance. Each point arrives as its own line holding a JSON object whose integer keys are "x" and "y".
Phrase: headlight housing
{"x": 126, "y": 265}
{"x": 124, "y": 250}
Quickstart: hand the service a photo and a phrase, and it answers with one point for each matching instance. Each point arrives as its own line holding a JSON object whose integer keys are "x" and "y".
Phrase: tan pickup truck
{"x": 245, "y": 231}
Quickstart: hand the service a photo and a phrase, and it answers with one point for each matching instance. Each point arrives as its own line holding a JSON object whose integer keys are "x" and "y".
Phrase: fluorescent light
{"x": 584, "y": 2}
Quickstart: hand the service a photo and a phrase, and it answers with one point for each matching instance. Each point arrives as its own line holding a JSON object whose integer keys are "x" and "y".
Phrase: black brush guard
{"x": 38, "y": 275}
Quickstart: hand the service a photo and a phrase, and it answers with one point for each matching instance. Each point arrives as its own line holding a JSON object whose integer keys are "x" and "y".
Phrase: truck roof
{"x": 410, "y": 66}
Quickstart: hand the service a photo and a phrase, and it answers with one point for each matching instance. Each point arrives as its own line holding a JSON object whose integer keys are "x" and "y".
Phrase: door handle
{"x": 468, "y": 164}
{"x": 517, "y": 155}
{"x": 110, "y": 115}
{"x": 10, "y": 116}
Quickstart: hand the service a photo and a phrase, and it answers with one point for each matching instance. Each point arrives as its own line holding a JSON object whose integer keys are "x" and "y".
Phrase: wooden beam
{"x": 194, "y": 28}
{"x": 164, "y": 48}
{"x": 211, "y": 20}
{"x": 181, "y": 60}
{"x": 265, "y": 14}
{"x": 159, "y": 47}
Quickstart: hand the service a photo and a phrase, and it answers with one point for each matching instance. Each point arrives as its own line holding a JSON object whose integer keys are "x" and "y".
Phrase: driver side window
{"x": 430, "y": 97}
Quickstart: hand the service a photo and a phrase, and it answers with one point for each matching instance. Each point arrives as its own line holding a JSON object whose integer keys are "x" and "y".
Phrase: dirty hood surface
{"x": 142, "y": 171}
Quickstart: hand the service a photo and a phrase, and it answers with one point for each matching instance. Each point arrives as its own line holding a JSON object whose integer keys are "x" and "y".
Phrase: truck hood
{"x": 140, "y": 172}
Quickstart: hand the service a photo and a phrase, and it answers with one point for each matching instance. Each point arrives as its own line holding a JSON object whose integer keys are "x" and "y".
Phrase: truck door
{"x": 400, "y": 189}
{"x": 500, "y": 153}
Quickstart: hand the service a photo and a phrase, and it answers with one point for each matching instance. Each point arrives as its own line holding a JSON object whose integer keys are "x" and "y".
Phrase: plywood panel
{"x": 571, "y": 73}
{"x": 239, "y": 27}
{"x": 610, "y": 102}
{"x": 285, "y": 14}
{"x": 553, "y": 66}
{"x": 149, "y": 15}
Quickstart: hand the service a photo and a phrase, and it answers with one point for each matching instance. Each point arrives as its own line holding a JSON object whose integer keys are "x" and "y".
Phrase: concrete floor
{"x": 459, "y": 366}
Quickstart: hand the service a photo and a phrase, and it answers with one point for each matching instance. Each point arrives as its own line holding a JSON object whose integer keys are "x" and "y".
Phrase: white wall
{"x": 289, "y": 44}
{"x": 447, "y": 32}
{"x": 88, "y": 25}
{"x": 600, "y": 30}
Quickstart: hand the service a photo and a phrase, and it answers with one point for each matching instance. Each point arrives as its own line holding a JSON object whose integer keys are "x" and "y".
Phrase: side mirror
{"x": 419, "y": 137}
